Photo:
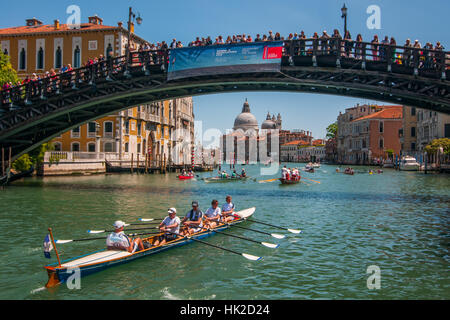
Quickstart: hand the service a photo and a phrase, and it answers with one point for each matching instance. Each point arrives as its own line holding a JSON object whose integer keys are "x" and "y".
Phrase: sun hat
{"x": 172, "y": 210}
{"x": 119, "y": 224}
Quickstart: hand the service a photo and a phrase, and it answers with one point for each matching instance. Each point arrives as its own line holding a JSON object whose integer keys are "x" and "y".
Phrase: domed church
{"x": 246, "y": 130}
{"x": 245, "y": 120}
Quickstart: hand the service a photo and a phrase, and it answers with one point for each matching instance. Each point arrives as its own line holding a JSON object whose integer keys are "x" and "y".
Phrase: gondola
{"x": 285, "y": 181}
{"x": 13, "y": 177}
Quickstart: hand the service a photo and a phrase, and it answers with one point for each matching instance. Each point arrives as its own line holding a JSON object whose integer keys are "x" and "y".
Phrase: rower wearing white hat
{"x": 171, "y": 226}
{"x": 118, "y": 240}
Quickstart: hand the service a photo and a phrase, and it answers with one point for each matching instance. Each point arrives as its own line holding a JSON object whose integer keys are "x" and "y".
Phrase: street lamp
{"x": 131, "y": 17}
{"x": 344, "y": 15}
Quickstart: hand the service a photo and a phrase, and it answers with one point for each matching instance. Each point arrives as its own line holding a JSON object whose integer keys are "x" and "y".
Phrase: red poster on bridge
{"x": 273, "y": 52}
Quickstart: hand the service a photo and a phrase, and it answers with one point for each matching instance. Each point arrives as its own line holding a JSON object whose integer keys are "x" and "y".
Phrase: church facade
{"x": 248, "y": 143}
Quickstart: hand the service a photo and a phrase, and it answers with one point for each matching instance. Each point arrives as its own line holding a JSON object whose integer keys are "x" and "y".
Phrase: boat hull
{"x": 185, "y": 177}
{"x": 104, "y": 259}
{"x": 284, "y": 181}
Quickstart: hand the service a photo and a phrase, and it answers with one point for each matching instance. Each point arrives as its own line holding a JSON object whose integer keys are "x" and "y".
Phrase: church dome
{"x": 269, "y": 123}
{"x": 245, "y": 120}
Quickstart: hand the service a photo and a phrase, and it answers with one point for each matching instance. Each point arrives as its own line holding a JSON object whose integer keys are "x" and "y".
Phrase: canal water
{"x": 397, "y": 221}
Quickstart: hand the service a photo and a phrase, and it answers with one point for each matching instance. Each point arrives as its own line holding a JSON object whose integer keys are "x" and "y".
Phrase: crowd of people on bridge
{"x": 295, "y": 43}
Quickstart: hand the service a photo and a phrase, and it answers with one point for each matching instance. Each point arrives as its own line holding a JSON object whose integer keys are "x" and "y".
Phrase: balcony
{"x": 153, "y": 118}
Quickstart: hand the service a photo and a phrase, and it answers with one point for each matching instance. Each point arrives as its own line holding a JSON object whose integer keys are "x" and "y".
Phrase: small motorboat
{"x": 409, "y": 163}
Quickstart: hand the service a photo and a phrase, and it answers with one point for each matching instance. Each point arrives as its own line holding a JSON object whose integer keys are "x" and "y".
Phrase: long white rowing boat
{"x": 100, "y": 260}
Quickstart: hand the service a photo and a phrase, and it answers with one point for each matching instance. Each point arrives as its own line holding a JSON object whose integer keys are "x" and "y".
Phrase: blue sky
{"x": 184, "y": 20}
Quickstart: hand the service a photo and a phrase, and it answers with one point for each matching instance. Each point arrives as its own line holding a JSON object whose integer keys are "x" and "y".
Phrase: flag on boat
{"x": 48, "y": 246}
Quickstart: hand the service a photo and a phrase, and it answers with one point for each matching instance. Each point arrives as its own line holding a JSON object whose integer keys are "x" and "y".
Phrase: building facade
{"x": 431, "y": 125}
{"x": 37, "y": 48}
{"x": 368, "y": 132}
{"x": 149, "y": 130}
{"x": 408, "y": 132}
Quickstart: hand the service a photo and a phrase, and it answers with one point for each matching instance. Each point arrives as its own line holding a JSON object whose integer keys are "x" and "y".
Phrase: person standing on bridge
{"x": 374, "y": 46}
{"x": 358, "y": 46}
{"x": 407, "y": 53}
{"x": 348, "y": 44}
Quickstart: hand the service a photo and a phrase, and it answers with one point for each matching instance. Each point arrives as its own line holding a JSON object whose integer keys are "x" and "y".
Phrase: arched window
{"x": 23, "y": 60}
{"x": 58, "y": 58}
{"x": 75, "y": 147}
{"x": 40, "y": 59}
{"x": 108, "y": 147}
{"x": 126, "y": 147}
{"x": 77, "y": 57}
{"x": 5, "y": 52}
{"x": 91, "y": 147}
{"x": 381, "y": 143}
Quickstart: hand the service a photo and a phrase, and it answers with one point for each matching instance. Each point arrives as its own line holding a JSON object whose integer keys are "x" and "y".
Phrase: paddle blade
{"x": 270, "y": 245}
{"x": 145, "y": 220}
{"x": 251, "y": 257}
{"x": 278, "y": 236}
{"x": 96, "y": 231}
{"x": 294, "y": 231}
{"x": 63, "y": 241}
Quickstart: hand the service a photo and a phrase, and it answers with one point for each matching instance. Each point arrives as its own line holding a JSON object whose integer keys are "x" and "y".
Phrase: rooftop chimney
{"x": 95, "y": 20}
{"x": 56, "y": 24}
{"x": 33, "y": 22}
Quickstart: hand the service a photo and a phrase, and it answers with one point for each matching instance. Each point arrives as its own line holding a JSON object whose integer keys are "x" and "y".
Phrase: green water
{"x": 398, "y": 221}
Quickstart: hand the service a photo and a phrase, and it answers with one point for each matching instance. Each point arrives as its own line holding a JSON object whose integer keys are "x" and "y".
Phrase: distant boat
{"x": 409, "y": 163}
{"x": 285, "y": 181}
{"x": 16, "y": 176}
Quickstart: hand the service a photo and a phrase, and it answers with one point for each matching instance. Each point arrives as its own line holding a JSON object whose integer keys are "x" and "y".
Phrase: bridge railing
{"x": 106, "y": 69}
{"x": 367, "y": 55}
{"x": 331, "y": 52}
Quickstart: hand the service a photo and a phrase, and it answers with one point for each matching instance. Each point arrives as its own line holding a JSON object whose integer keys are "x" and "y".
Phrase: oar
{"x": 275, "y": 235}
{"x": 245, "y": 255}
{"x": 102, "y": 231}
{"x": 270, "y": 180}
{"x": 87, "y": 239}
{"x": 311, "y": 180}
{"x": 278, "y": 227}
{"x": 142, "y": 224}
{"x": 266, "y": 244}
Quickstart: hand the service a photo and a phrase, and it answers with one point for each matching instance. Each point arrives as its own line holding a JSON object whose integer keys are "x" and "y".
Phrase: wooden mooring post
{"x": 146, "y": 162}
{"x": 131, "y": 166}
{"x": 137, "y": 166}
{"x": 3, "y": 162}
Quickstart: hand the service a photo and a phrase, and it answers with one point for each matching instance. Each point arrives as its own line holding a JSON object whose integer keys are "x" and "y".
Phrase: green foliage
{"x": 434, "y": 146}
{"x": 390, "y": 152}
{"x": 37, "y": 155}
{"x": 7, "y": 72}
{"x": 23, "y": 163}
{"x": 332, "y": 130}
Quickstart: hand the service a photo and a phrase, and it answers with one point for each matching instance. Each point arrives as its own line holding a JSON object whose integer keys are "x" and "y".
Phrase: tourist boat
{"x": 285, "y": 181}
{"x": 315, "y": 165}
{"x": 409, "y": 163}
{"x": 102, "y": 259}
{"x": 185, "y": 177}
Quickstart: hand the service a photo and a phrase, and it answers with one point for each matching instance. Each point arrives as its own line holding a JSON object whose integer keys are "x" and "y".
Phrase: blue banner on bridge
{"x": 225, "y": 59}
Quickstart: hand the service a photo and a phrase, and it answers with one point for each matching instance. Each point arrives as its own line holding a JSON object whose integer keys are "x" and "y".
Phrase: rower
{"x": 213, "y": 215}
{"x": 228, "y": 210}
{"x": 193, "y": 220}
{"x": 170, "y": 226}
{"x": 234, "y": 174}
{"x": 284, "y": 173}
{"x": 118, "y": 240}
{"x": 243, "y": 173}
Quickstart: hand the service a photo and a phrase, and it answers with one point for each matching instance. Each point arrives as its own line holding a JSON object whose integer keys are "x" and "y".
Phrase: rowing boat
{"x": 103, "y": 259}
{"x": 285, "y": 181}
{"x": 185, "y": 177}
{"x": 229, "y": 179}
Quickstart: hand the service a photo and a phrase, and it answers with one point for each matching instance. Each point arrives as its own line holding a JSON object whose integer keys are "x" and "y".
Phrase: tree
{"x": 7, "y": 72}
{"x": 332, "y": 130}
{"x": 434, "y": 146}
{"x": 23, "y": 163}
